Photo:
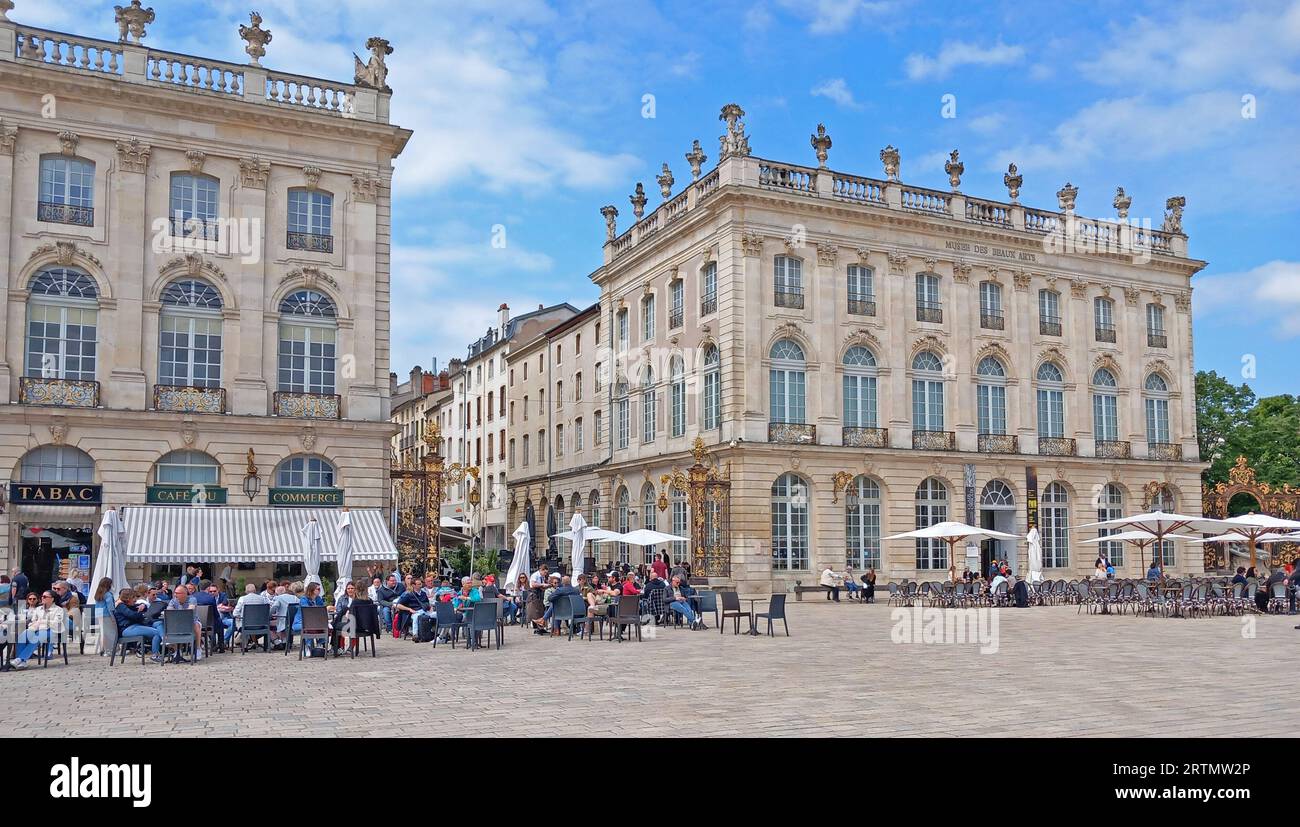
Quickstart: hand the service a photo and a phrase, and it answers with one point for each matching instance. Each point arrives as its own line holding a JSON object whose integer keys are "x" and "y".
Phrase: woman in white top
{"x": 1100, "y": 572}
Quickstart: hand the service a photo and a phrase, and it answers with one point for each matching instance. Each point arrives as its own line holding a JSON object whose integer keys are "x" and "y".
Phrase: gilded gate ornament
{"x": 1277, "y": 501}
{"x": 708, "y": 490}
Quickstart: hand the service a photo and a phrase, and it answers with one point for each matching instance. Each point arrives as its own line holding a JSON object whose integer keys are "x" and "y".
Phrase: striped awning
{"x": 181, "y": 534}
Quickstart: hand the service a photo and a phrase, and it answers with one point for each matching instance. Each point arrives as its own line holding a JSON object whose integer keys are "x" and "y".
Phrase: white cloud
{"x": 1267, "y": 293}
{"x": 837, "y": 90}
{"x": 835, "y": 16}
{"x": 989, "y": 124}
{"x": 955, "y": 54}
{"x": 1259, "y": 47}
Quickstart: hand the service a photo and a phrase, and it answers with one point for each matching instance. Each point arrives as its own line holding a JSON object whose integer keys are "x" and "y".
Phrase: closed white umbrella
{"x": 522, "y": 562}
{"x": 311, "y": 551}
{"x": 578, "y": 525}
{"x": 1035, "y": 555}
{"x": 345, "y": 553}
{"x": 111, "y": 562}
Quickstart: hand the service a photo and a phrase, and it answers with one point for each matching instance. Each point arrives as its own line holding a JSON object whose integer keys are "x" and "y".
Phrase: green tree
{"x": 1222, "y": 418}
{"x": 1271, "y": 439}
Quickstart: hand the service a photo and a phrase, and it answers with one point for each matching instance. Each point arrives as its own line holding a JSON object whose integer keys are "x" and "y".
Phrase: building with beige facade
{"x": 860, "y": 357}
{"x": 195, "y": 262}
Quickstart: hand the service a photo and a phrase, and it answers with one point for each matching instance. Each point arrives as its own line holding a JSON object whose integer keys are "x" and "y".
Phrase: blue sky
{"x": 528, "y": 115}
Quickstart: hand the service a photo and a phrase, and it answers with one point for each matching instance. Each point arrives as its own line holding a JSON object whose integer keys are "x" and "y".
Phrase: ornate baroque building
{"x": 194, "y": 262}
{"x": 860, "y": 357}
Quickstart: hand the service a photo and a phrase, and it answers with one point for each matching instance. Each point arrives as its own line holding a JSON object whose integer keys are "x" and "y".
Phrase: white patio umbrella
{"x": 647, "y": 537}
{"x": 1162, "y": 523}
{"x": 1142, "y": 539}
{"x": 521, "y": 563}
{"x": 1250, "y": 528}
{"x": 311, "y": 551}
{"x": 345, "y": 553}
{"x": 578, "y": 526}
{"x": 452, "y": 522}
{"x": 953, "y": 533}
{"x": 1035, "y": 555}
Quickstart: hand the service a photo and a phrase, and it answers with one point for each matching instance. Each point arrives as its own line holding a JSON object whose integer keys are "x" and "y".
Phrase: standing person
{"x": 869, "y": 586}
{"x": 21, "y": 586}
{"x": 660, "y": 566}
{"x": 830, "y": 582}
{"x": 1153, "y": 573}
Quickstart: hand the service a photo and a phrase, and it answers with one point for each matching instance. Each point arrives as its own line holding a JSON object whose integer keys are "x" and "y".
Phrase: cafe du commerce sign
{"x": 185, "y": 495}
{"x": 23, "y": 493}
{"x": 319, "y": 497}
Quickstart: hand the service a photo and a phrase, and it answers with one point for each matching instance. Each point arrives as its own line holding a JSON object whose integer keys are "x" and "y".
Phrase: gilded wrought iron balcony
{"x": 862, "y": 305}
{"x": 676, "y": 318}
{"x": 1056, "y": 446}
{"x": 792, "y": 433}
{"x": 789, "y": 298}
{"x": 1157, "y": 339}
{"x": 1113, "y": 449}
{"x": 929, "y": 311}
{"x": 1049, "y": 326}
{"x": 62, "y": 393}
{"x": 311, "y": 242}
{"x": 1105, "y": 333}
{"x": 709, "y": 304}
{"x": 1165, "y": 451}
{"x": 856, "y": 437}
{"x": 308, "y": 405}
{"x": 934, "y": 440}
{"x": 192, "y": 227}
{"x": 998, "y": 444}
{"x": 65, "y": 214}
{"x": 187, "y": 399}
{"x": 992, "y": 319}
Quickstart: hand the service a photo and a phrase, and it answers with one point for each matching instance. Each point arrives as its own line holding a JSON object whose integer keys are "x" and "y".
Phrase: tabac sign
{"x": 24, "y": 493}
{"x": 317, "y": 497}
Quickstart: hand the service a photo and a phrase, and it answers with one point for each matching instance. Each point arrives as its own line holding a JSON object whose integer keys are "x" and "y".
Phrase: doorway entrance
{"x": 998, "y": 513}
{"x": 45, "y": 548}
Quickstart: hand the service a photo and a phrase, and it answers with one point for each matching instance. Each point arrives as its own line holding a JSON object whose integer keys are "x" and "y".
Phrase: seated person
{"x": 565, "y": 589}
{"x": 210, "y": 595}
{"x": 1153, "y": 573}
{"x": 44, "y": 624}
{"x": 1020, "y": 593}
{"x": 183, "y": 599}
{"x": 251, "y": 597}
{"x": 553, "y": 583}
{"x": 131, "y": 622}
{"x": 344, "y": 624}
{"x": 850, "y": 582}
{"x": 409, "y": 607}
{"x": 830, "y": 581}
{"x": 280, "y": 604}
{"x": 869, "y": 586}
{"x": 681, "y": 602}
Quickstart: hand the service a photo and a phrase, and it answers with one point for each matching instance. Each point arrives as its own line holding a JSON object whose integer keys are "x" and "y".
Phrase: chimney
{"x": 503, "y": 315}
{"x": 392, "y": 384}
{"x": 541, "y": 306}
{"x": 416, "y": 384}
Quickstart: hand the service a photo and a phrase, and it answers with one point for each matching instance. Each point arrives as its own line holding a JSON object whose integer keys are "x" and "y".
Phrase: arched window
{"x": 649, "y": 405}
{"x": 57, "y": 463}
{"x": 649, "y": 519}
{"x": 308, "y": 343}
{"x": 931, "y": 508}
{"x": 1051, "y": 401}
{"x": 1105, "y": 406}
{"x": 991, "y": 396}
{"x": 622, "y": 426}
{"x": 997, "y": 494}
{"x": 67, "y": 191}
{"x": 789, "y": 523}
{"x": 1054, "y": 525}
{"x": 304, "y": 472}
{"x": 194, "y": 206}
{"x": 677, "y": 393}
{"x": 712, "y": 388}
{"x": 593, "y": 509}
{"x": 62, "y": 325}
{"x": 1155, "y": 397}
{"x": 862, "y": 523}
{"x": 189, "y": 335}
{"x": 311, "y": 220}
{"x": 622, "y": 503}
{"x": 860, "y": 409}
{"x": 787, "y": 281}
{"x": 561, "y": 524}
{"x": 1163, "y": 500}
{"x": 927, "y": 392}
{"x": 187, "y": 468}
{"x": 788, "y": 393}
{"x": 1110, "y": 506}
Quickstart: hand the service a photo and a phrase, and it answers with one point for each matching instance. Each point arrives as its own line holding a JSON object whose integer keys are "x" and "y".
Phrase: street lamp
{"x": 252, "y": 482}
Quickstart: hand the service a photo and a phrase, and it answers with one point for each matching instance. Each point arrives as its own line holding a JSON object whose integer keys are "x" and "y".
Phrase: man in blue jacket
{"x": 131, "y": 622}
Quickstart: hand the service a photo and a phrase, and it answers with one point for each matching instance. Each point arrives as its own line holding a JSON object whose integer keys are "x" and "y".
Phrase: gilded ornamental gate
{"x": 708, "y": 491}
{"x": 417, "y": 499}
{"x": 1275, "y": 501}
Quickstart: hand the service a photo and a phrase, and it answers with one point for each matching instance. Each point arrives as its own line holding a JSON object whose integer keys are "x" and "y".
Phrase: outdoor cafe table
{"x": 753, "y": 624}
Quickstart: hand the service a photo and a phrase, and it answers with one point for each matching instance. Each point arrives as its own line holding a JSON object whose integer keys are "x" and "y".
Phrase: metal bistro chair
{"x": 315, "y": 626}
{"x": 483, "y": 621}
{"x": 445, "y": 621}
{"x": 256, "y": 623}
{"x": 576, "y": 616}
{"x": 52, "y": 647}
{"x": 731, "y": 608}
{"x": 178, "y": 631}
{"x": 366, "y": 632}
{"x": 775, "y": 611}
{"x": 707, "y": 601}
{"x": 207, "y": 620}
{"x": 290, "y": 614}
{"x": 629, "y": 614}
{"x": 113, "y": 643}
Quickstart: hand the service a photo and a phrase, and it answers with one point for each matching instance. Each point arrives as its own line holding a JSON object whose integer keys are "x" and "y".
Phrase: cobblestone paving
{"x": 1055, "y": 673}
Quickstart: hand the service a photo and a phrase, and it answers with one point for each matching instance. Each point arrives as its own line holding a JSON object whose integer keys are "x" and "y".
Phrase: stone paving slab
{"x": 1055, "y": 673}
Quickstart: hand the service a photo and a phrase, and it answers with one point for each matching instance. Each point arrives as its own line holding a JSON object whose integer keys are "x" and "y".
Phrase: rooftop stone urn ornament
{"x": 611, "y": 217}
{"x": 665, "y": 181}
{"x": 954, "y": 168}
{"x": 1012, "y": 180}
{"x": 374, "y": 73}
{"x": 1065, "y": 196}
{"x": 735, "y": 142}
{"x": 821, "y": 142}
{"x": 1174, "y": 214}
{"x": 890, "y": 158}
{"x": 130, "y": 20}
{"x": 1122, "y": 202}
{"x": 638, "y": 201}
{"x": 6, "y": 6}
{"x": 256, "y": 37}
{"x": 696, "y": 159}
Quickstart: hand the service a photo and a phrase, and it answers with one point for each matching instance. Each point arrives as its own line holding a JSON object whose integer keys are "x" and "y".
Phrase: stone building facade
{"x": 195, "y": 264}
{"x": 861, "y": 357}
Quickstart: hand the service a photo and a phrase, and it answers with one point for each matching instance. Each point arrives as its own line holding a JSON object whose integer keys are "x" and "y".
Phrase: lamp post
{"x": 473, "y": 498}
{"x": 436, "y": 476}
{"x": 252, "y": 482}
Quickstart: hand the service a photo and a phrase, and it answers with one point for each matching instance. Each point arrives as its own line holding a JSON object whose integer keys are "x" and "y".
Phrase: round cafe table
{"x": 753, "y": 625}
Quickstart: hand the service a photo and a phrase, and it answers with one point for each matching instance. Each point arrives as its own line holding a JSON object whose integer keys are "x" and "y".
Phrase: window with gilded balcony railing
{"x": 862, "y": 304}
{"x": 934, "y": 440}
{"x": 1049, "y": 326}
{"x": 1112, "y": 449}
{"x": 1105, "y": 333}
{"x": 785, "y": 298}
{"x": 992, "y": 319}
{"x": 928, "y": 307}
{"x": 1051, "y": 446}
{"x": 998, "y": 444}
{"x": 67, "y": 192}
{"x": 927, "y": 311}
{"x": 311, "y": 216}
